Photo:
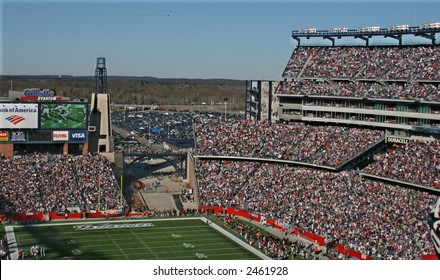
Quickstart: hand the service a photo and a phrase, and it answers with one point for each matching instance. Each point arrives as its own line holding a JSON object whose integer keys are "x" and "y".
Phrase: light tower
{"x": 101, "y": 76}
{"x": 100, "y": 140}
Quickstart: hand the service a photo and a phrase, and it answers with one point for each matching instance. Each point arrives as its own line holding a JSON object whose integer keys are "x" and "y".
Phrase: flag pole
{"x": 99, "y": 194}
{"x": 120, "y": 203}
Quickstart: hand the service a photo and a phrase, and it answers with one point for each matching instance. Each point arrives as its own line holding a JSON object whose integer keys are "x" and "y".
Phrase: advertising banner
{"x": 397, "y": 140}
{"x": 3, "y": 136}
{"x": 60, "y": 136}
{"x": 18, "y": 115}
{"x": 18, "y": 136}
{"x": 39, "y": 136}
{"x": 78, "y": 136}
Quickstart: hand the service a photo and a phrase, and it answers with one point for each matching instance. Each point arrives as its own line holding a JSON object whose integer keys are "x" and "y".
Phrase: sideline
{"x": 235, "y": 239}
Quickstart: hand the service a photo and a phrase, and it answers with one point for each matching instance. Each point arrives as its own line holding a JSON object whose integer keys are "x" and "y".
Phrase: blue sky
{"x": 180, "y": 39}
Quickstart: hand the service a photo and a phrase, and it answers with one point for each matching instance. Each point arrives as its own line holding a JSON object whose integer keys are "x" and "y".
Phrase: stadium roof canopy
{"x": 427, "y": 31}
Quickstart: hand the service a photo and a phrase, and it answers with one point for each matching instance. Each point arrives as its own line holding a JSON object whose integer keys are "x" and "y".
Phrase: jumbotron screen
{"x": 63, "y": 116}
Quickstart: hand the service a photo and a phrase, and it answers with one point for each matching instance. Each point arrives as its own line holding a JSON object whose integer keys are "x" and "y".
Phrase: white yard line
{"x": 145, "y": 245}
{"x": 117, "y": 246}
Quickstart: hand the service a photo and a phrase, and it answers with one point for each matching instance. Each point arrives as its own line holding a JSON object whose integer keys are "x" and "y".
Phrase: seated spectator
{"x": 417, "y": 162}
{"x": 45, "y": 183}
{"x": 322, "y": 145}
{"x": 337, "y": 206}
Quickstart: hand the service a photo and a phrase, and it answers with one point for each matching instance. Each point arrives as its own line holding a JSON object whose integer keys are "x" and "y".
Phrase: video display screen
{"x": 63, "y": 116}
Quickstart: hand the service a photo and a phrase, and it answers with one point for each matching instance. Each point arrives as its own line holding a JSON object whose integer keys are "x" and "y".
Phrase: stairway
{"x": 178, "y": 202}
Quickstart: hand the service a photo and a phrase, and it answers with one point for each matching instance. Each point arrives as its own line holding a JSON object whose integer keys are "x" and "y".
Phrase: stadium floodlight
{"x": 430, "y": 25}
{"x": 401, "y": 27}
{"x": 307, "y": 30}
{"x": 339, "y": 29}
{"x": 369, "y": 29}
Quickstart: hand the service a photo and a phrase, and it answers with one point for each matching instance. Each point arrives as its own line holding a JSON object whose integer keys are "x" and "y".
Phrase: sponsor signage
{"x": 18, "y": 136}
{"x": 4, "y": 136}
{"x": 39, "y": 92}
{"x": 39, "y": 136}
{"x": 78, "y": 136}
{"x": 49, "y": 98}
{"x": 18, "y": 115}
{"x": 60, "y": 136}
{"x": 397, "y": 140}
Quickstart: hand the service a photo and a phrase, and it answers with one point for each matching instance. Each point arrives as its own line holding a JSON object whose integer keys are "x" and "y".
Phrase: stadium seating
{"x": 389, "y": 63}
{"x": 57, "y": 183}
{"x": 406, "y": 73}
{"x": 417, "y": 162}
{"x": 321, "y": 145}
{"x": 338, "y": 206}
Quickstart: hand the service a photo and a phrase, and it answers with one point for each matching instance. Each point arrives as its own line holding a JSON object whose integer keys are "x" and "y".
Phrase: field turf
{"x": 165, "y": 240}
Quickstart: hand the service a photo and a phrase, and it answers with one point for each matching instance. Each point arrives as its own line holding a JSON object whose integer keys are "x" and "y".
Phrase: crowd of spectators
{"x": 130, "y": 145}
{"x": 3, "y": 247}
{"x": 417, "y": 162}
{"x": 280, "y": 247}
{"x": 272, "y": 246}
{"x": 315, "y": 144}
{"x": 297, "y": 61}
{"x": 174, "y": 127}
{"x": 155, "y": 126}
{"x": 370, "y": 62}
{"x": 368, "y": 89}
{"x": 58, "y": 183}
{"x": 376, "y": 219}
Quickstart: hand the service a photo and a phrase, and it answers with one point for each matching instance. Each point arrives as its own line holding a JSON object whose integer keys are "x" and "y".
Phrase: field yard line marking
{"x": 137, "y": 247}
{"x": 86, "y": 232}
{"x": 213, "y": 225}
{"x": 117, "y": 246}
{"x": 78, "y": 124}
{"x": 12, "y": 242}
{"x": 177, "y": 248}
{"x": 145, "y": 245}
{"x": 159, "y": 247}
{"x": 185, "y": 257}
{"x": 215, "y": 255}
{"x": 209, "y": 252}
{"x": 192, "y": 239}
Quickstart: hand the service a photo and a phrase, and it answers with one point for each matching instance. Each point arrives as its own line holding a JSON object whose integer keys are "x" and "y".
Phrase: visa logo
{"x": 80, "y": 135}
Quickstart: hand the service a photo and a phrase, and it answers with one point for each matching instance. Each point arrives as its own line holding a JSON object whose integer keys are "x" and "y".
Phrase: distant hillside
{"x": 137, "y": 90}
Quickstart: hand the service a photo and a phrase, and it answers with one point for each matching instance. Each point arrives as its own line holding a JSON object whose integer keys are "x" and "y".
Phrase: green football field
{"x": 172, "y": 239}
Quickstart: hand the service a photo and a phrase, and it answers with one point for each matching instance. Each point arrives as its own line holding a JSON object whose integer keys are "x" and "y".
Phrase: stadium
{"x": 338, "y": 160}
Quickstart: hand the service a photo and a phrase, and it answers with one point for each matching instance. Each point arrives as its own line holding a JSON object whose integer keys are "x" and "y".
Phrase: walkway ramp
{"x": 159, "y": 201}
